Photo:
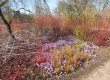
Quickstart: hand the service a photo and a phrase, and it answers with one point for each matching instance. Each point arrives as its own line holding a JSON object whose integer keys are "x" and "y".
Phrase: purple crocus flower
{"x": 61, "y": 42}
{"x": 71, "y": 39}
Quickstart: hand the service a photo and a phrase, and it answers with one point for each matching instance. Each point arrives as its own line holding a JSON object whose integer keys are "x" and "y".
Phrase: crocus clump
{"x": 64, "y": 57}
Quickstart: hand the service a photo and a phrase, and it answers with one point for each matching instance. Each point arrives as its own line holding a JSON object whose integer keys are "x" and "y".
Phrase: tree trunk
{"x": 7, "y": 24}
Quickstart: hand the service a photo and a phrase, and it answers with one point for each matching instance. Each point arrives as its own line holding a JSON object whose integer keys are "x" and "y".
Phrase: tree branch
{"x": 3, "y": 2}
{"x": 7, "y": 24}
{"x": 15, "y": 12}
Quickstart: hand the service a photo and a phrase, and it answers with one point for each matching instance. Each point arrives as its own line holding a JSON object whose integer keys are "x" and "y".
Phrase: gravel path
{"x": 101, "y": 68}
{"x": 101, "y": 73}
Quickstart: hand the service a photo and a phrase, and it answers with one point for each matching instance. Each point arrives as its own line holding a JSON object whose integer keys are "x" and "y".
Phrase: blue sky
{"x": 52, "y": 4}
{"x": 30, "y": 6}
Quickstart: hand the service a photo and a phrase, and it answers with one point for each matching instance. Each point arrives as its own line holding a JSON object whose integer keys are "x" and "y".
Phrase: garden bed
{"x": 46, "y": 59}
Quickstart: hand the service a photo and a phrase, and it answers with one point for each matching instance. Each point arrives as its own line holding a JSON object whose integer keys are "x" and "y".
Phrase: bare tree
{"x": 6, "y": 22}
{"x": 42, "y": 7}
{"x": 16, "y": 3}
{"x": 71, "y": 7}
{"x": 2, "y": 3}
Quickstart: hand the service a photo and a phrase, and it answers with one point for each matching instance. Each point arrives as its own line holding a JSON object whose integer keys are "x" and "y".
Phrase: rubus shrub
{"x": 24, "y": 66}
